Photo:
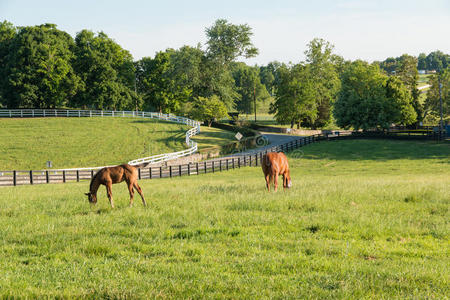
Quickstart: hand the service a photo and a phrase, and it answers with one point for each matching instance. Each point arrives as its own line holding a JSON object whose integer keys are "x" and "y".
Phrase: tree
{"x": 370, "y": 99}
{"x": 209, "y": 109}
{"x": 389, "y": 65}
{"x": 249, "y": 87}
{"x": 422, "y": 62}
{"x": 7, "y": 34}
{"x": 295, "y": 96}
{"x": 157, "y": 82}
{"x": 107, "y": 72}
{"x": 408, "y": 74}
{"x": 325, "y": 78}
{"x": 438, "y": 61}
{"x": 37, "y": 70}
{"x": 432, "y": 102}
{"x": 226, "y": 42}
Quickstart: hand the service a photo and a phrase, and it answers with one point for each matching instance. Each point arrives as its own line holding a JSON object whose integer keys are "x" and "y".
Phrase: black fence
{"x": 238, "y": 160}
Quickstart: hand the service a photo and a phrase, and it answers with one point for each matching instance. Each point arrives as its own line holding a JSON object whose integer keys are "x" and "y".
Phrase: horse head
{"x": 91, "y": 197}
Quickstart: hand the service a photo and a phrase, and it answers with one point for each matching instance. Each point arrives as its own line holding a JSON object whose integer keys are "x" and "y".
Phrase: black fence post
{"x": 196, "y": 167}
{"x": 14, "y": 178}
{"x": 239, "y": 162}
{"x": 47, "y": 177}
{"x": 179, "y": 170}
{"x": 189, "y": 169}
{"x": 205, "y": 167}
{"x": 213, "y": 166}
{"x": 256, "y": 159}
{"x": 150, "y": 172}
{"x": 233, "y": 162}
{"x": 64, "y": 176}
{"x": 170, "y": 171}
{"x": 139, "y": 174}
{"x": 160, "y": 172}
{"x": 92, "y": 173}
{"x": 220, "y": 165}
{"x": 31, "y": 177}
{"x": 78, "y": 175}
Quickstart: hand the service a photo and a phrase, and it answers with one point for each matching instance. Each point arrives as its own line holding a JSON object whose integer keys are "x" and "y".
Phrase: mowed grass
{"x": 364, "y": 219}
{"x": 210, "y": 137}
{"x": 84, "y": 142}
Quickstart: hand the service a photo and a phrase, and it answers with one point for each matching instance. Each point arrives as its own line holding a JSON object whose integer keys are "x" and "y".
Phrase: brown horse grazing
{"x": 274, "y": 164}
{"x": 110, "y": 175}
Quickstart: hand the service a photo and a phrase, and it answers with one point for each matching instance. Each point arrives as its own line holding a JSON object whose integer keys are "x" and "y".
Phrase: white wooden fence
{"x": 31, "y": 113}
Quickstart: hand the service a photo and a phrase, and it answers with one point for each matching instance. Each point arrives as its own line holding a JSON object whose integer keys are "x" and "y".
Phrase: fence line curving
{"x": 209, "y": 166}
{"x": 34, "y": 113}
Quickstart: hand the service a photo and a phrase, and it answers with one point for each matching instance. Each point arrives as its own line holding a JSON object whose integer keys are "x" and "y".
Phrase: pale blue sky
{"x": 369, "y": 30}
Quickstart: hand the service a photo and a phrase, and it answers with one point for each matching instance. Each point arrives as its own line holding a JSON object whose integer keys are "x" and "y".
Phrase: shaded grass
{"x": 371, "y": 227}
{"x": 211, "y": 137}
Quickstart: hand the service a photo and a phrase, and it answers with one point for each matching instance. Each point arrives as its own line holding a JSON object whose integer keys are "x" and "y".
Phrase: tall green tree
{"x": 437, "y": 61}
{"x": 408, "y": 74}
{"x": 249, "y": 87}
{"x": 370, "y": 99}
{"x": 323, "y": 67}
{"x": 422, "y": 62}
{"x": 107, "y": 72}
{"x": 226, "y": 42}
{"x": 432, "y": 102}
{"x": 7, "y": 34}
{"x": 295, "y": 96}
{"x": 163, "y": 87}
{"x": 38, "y": 69}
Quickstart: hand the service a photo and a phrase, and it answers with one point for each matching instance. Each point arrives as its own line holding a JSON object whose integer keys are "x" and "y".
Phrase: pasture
{"x": 27, "y": 144}
{"x": 364, "y": 219}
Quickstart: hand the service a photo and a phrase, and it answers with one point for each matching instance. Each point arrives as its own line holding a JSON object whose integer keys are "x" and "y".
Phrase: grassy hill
{"x": 364, "y": 219}
{"x": 87, "y": 142}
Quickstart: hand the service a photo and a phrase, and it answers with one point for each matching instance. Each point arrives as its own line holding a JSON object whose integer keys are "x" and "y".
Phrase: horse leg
{"x": 109, "y": 192}
{"x": 138, "y": 188}
{"x": 268, "y": 182}
{"x": 275, "y": 179}
{"x": 130, "y": 189}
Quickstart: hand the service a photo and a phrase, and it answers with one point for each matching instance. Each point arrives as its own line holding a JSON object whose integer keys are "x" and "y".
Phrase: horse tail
{"x": 140, "y": 166}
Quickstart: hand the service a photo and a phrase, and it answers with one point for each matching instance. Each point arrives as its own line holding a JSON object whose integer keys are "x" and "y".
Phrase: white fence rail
{"x": 32, "y": 113}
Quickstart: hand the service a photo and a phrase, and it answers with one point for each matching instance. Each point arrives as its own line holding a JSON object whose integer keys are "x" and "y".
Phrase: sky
{"x": 368, "y": 30}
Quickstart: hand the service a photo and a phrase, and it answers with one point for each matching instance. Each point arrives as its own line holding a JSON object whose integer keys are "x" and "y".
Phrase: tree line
{"x": 435, "y": 61}
{"x": 44, "y": 67}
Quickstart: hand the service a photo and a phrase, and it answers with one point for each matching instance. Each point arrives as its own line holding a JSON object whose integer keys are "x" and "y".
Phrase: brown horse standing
{"x": 110, "y": 175}
{"x": 273, "y": 165}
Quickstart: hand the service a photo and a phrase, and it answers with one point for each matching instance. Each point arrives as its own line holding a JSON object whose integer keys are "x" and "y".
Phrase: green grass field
{"x": 210, "y": 137}
{"x": 364, "y": 219}
{"x": 29, "y": 143}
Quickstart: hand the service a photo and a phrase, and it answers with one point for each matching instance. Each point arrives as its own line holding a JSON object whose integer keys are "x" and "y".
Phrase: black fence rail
{"x": 238, "y": 160}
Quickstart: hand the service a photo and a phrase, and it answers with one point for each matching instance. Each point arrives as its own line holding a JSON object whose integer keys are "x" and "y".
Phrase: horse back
{"x": 275, "y": 163}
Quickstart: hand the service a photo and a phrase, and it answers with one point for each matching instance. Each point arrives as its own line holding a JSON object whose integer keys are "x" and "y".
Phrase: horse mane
{"x": 92, "y": 180}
